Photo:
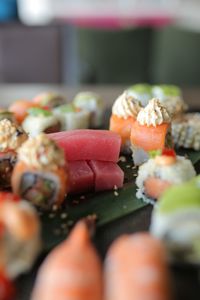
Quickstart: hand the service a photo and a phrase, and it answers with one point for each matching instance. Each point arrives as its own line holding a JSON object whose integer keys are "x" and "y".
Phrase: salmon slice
{"x": 20, "y": 109}
{"x": 155, "y": 187}
{"x": 135, "y": 269}
{"x": 149, "y": 138}
{"x": 72, "y": 271}
{"x": 122, "y": 127}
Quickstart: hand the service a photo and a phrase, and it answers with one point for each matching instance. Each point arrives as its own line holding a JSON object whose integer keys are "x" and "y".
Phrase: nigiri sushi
{"x": 20, "y": 109}
{"x": 20, "y": 235}
{"x": 71, "y": 271}
{"x": 186, "y": 131}
{"x": 176, "y": 221}
{"x": 141, "y": 91}
{"x": 92, "y": 103}
{"x": 124, "y": 113}
{"x": 159, "y": 173}
{"x": 12, "y": 137}
{"x": 171, "y": 97}
{"x": 151, "y": 131}
{"x": 136, "y": 269}
{"x": 40, "y": 174}
{"x": 71, "y": 117}
{"x": 49, "y": 99}
{"x": 40, "y": 120}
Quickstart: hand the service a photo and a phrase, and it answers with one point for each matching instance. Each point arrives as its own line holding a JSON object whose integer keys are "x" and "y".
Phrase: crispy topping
{"x": 42, "y": 153}
{"x": 153, "y": 114}
{"x": 11, "y": 136}
{"x": 126, "y": 106}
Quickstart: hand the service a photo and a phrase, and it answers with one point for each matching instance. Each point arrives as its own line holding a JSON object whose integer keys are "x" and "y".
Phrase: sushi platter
{"x": 70, "y": 169}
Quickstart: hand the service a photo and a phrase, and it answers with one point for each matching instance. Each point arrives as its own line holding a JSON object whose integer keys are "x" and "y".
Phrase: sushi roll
{"x": 40, "y": 120}
{"x": 171, "y": 97}
{"x": 20, "y": 109}
{"x": 92, "y": 103}
{"x": 11, "y": 138}
{"x": 49, "y": 99}
{"x": 40, "y": 175}
{"x": 20, "y": 240}
{"x": 159, "y": 173}
{"x": 71, "y": 271}
{"x": 124, "y": 113}
{"x": 141, "y": 91}
{"x": 186, "y": 131}
{"x": 151, "y": 131}
{"x": 176, "y": 221}
{"x": 136, "y": 269}
{"x": 72, "y": 117}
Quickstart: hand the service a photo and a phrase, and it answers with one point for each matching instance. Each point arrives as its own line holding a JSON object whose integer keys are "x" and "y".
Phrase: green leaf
{"x": 36, "y": 111}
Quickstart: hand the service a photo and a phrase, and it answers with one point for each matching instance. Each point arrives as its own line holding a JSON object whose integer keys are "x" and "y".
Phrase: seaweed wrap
{"x": 176, "y": 220}
{"x": 92, "y": 103}
{"x": 159, "y": 173}
{"x": 40, "y": 175}
{"x": 40, "y": 120}
{"x": 72, "y": 117}
{"x": 12, "y": 137}
{"x": 124, "y": 113}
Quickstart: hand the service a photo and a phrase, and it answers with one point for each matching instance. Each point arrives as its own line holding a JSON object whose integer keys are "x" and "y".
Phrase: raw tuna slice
{"x": 87, "y": 144}
{"x": 107, "y": 175}
{"x": 81, "y": 177}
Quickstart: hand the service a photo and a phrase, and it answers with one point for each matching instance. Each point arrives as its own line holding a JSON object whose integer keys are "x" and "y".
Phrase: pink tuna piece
{"x": 81, "y": 177}
{"x": 107, "y": 175}
{"x": 86, "y": 144}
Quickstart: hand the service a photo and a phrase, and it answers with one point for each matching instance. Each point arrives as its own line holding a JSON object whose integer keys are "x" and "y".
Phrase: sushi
{"x": 12, "y": 137}
{"x": 49, "y": 99}
{"x": 186, "y": 131}
{"x": 71, "y": 271}
{"x": 40, "y": 174}
{"x": 176, "y": 221}
{"x": 161, "y": 172}
{"x": 151, "y": 131}
{"x": 124, "y": 113}
{"x": 20, "y": 235}
{"x": 136, "y": 269}
{"x": 20, "y": 109}
{"x": 141, "y": 91}
{"x": 92, "y": 103}
{"x": 72, "y": 117}
{"x": 40, "y": 120}
{"x": 171, "y": 97}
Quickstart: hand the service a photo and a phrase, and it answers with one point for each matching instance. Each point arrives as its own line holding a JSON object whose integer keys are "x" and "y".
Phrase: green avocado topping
{"x": 167, "y": 90}
{"x": 66, "y": 108}
{"x": 83, "y": 97}
{"x": 141, "y": 88}
{"x": 154, "y": 153}
{"x": 180, "y": 196}
{"x": 36, "y": 111}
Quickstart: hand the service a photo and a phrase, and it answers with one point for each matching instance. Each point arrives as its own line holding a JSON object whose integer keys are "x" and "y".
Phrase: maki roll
{"x": 20, "y": 109}
{"x": 40, "y": 175}
{"x": 171, "y": 97}
{"x": 136, "y": 269}
{"x": 11, "y": 138}
{"x": 20, "y": 240}
{"x": 49, "y": 99}
{"x": 40, "y": 120}
{"x": 151, "y": 131}
{"x": 176, "y": 221}
{"x": 159, "y": 173}
{"x": 124, "y": 113}
{"x": 141, "y": 91}
{"x": 71, "y": 271}
{"x": 72, "y": 117}
{"x": 186, "y": 131}
{"x": 92, "y": 103}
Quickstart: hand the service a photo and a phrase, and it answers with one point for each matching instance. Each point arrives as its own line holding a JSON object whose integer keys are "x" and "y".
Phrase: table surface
{"x": 185, "y": 280}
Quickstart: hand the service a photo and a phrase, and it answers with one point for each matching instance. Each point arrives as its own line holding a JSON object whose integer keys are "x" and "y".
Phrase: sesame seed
{"x": 116, "y": 193}
{"x": 82, "y": 197}
{"x": 64, "y": 216}
{"x": 128, "y": 166}
{"x": 122, "y": 159}
{"x": 55, "y": 207}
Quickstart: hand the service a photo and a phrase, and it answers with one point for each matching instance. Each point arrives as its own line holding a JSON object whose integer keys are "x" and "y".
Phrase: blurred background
{"x": 100, "y": 41}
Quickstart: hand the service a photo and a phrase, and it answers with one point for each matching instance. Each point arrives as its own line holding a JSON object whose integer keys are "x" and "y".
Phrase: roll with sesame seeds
{"x": 40, "y": 175}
